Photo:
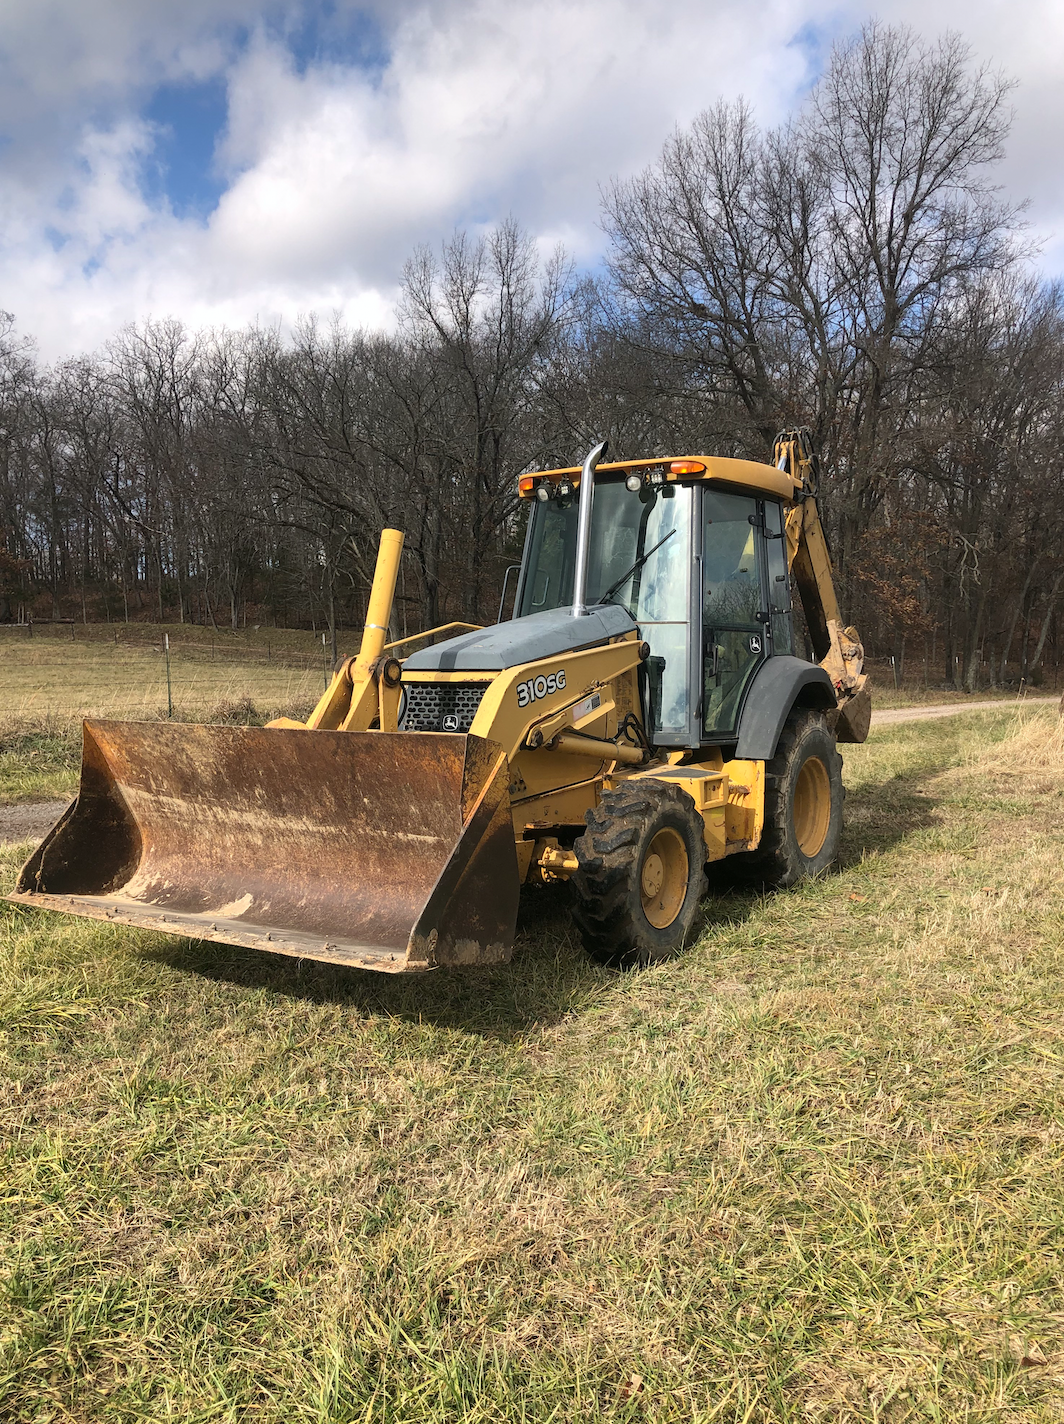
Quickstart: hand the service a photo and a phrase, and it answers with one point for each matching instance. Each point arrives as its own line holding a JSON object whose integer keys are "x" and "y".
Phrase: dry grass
{"x": 885, "y": 697}
{"x": 812, "y": 1171}
{"x": 48, "y": 684}
{"x": 39, "y": 762}
{"x": 1037, "y": 746}
{"x": 47, "y": 679}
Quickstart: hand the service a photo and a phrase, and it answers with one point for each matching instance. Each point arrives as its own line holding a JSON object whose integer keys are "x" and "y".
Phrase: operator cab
{"x": 695, "y": 551}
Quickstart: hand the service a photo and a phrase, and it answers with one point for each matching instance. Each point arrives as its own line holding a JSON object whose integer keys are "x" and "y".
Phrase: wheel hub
{"x": 653, "y": 875}
{"x": 663, "y": 877}
{"x": 812, "y": 807}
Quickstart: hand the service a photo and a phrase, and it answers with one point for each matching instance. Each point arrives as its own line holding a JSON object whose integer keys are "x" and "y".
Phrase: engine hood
{"x": 523, "y": 640}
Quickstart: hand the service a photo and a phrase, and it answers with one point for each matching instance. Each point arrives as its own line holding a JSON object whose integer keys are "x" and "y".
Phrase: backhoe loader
{"x": 643, "y": 714}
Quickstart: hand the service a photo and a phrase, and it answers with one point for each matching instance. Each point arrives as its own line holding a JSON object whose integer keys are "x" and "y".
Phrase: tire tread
{"x": 603, "y": 886}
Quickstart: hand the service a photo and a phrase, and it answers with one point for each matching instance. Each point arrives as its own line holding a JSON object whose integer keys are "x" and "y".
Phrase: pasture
{"x": 60, "y": 675}
{"x": 812, "y": 1170}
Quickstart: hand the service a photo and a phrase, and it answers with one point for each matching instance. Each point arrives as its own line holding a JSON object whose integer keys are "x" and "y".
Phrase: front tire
{"x": 803, "y": 803}
{"x": 641, "y": 876}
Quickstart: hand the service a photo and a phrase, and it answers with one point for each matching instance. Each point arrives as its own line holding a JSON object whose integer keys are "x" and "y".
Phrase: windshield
{"x": 624, "y": 528}
{"x": 649, "y": 529}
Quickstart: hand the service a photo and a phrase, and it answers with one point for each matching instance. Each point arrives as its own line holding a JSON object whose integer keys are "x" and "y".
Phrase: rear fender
{"x": 780, "y": 684}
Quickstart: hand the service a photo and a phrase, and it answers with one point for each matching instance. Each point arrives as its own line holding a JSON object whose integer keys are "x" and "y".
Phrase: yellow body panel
{"x": 577, "y": 679}
{"x": 707, "y": 787}
{"x": 745, "y": 815}
{"x": 729, "y": 796}
{"x": 588, "y": 692}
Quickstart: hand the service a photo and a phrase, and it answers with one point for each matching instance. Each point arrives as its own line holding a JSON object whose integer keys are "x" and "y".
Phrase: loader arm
{"x": 364, "y": 690}
{"x": 837, "y": 647}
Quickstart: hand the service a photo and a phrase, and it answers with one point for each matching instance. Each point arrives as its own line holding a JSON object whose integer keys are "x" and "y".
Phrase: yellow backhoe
{"x": 643, "y": 714}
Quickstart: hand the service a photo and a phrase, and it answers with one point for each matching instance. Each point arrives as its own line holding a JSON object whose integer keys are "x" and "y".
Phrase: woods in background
{"x": 855, "y": 271}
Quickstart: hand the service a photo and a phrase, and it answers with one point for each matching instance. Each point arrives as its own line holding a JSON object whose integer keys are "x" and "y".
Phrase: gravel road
{"x": 28, "y": 822}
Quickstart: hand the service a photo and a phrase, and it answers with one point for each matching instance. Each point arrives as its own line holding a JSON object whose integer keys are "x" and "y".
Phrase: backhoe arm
{"x": 837, "y": 648}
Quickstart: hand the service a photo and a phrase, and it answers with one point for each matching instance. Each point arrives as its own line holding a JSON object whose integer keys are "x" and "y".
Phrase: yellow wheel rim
{"x": 812, "y": 807}
{"x": 663, "y": 877}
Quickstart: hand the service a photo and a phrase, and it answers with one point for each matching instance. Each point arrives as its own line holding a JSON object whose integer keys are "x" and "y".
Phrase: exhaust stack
{"x": 583, "y": 529}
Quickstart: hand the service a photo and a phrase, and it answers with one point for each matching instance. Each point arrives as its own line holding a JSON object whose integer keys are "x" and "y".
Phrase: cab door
{"x": 735, "y": 617}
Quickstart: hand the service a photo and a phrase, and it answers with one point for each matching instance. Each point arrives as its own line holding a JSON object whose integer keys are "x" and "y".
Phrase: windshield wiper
{"x": 635, "y": 568}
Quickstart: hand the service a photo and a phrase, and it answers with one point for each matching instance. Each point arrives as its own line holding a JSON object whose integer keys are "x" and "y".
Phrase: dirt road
{"x": 28, "y": 822}
{"x": 952, "y": 709}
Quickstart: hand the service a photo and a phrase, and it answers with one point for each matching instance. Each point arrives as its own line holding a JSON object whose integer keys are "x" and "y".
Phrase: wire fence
{"x": 182, "y": 668}
{"x": 294, "y": 648}
{"x": 68, "y": 671}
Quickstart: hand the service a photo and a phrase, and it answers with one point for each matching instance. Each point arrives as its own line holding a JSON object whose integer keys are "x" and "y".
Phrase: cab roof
{"x": 716, "y": 469}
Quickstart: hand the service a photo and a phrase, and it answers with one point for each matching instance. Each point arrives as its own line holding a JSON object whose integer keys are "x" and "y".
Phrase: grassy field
{"x": 885, "y": 697}
{"x": 55, "y": 681}
{"x": 814, "y": 1170}
{"x": 48, "y": 684}
{"x": 66, "y": 672}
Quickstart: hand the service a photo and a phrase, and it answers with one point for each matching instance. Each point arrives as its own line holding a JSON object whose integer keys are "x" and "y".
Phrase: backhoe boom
{"x": 836, "y": 647}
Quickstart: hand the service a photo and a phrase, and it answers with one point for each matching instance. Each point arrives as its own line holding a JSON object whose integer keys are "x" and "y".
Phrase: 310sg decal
{"x": 537, "y": 687}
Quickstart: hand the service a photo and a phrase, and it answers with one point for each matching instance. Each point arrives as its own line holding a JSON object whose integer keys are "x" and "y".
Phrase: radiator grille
{"x": 440, "y": 706}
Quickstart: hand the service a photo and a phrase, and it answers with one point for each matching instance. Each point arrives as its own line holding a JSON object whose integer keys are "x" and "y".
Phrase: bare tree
{"x": 489, "y": 313}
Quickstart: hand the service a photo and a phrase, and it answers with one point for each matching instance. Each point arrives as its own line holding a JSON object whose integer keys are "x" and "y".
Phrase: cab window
{"x": 734, "y": 636}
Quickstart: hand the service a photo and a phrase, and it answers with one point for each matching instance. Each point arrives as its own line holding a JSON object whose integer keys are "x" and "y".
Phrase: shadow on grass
{"x": 549, "y": 977}
{"x": 880, "y": 815}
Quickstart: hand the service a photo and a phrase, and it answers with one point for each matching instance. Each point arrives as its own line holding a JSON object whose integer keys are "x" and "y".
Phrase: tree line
{"x": 854, "y": 270}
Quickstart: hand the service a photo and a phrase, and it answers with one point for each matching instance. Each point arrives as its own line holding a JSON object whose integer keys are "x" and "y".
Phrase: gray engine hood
{"x": 523, "y": 640}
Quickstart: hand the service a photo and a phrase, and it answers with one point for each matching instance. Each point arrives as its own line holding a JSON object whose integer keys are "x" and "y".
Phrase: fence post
{"x": 169, "y": 691}
{"x": 325, "y": 659}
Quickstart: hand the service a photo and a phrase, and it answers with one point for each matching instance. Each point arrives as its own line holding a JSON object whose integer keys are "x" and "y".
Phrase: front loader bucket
{"x": 382, "y": 850}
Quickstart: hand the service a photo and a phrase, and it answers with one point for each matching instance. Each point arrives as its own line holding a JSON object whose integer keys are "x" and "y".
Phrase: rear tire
{"x": 641, "y": 876}
{"x": 803, "y": 804}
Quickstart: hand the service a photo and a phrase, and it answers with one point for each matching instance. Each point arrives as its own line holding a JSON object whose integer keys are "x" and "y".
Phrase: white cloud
{"x": 1026, "y": 41}
{"x": 333, "y": 172}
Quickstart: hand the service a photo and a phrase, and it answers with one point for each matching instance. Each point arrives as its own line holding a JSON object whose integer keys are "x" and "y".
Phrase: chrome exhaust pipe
{"x": 583, "y": 530}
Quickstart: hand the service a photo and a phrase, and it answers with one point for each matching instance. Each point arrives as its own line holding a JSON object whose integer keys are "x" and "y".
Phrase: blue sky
{"x": 225, "y": 161}
{"x": 188, "y": 120}
{"x": 190, "y": 116}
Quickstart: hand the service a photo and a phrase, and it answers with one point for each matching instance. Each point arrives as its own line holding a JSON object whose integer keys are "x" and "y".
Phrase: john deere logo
{"x": 450, "y": 722}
